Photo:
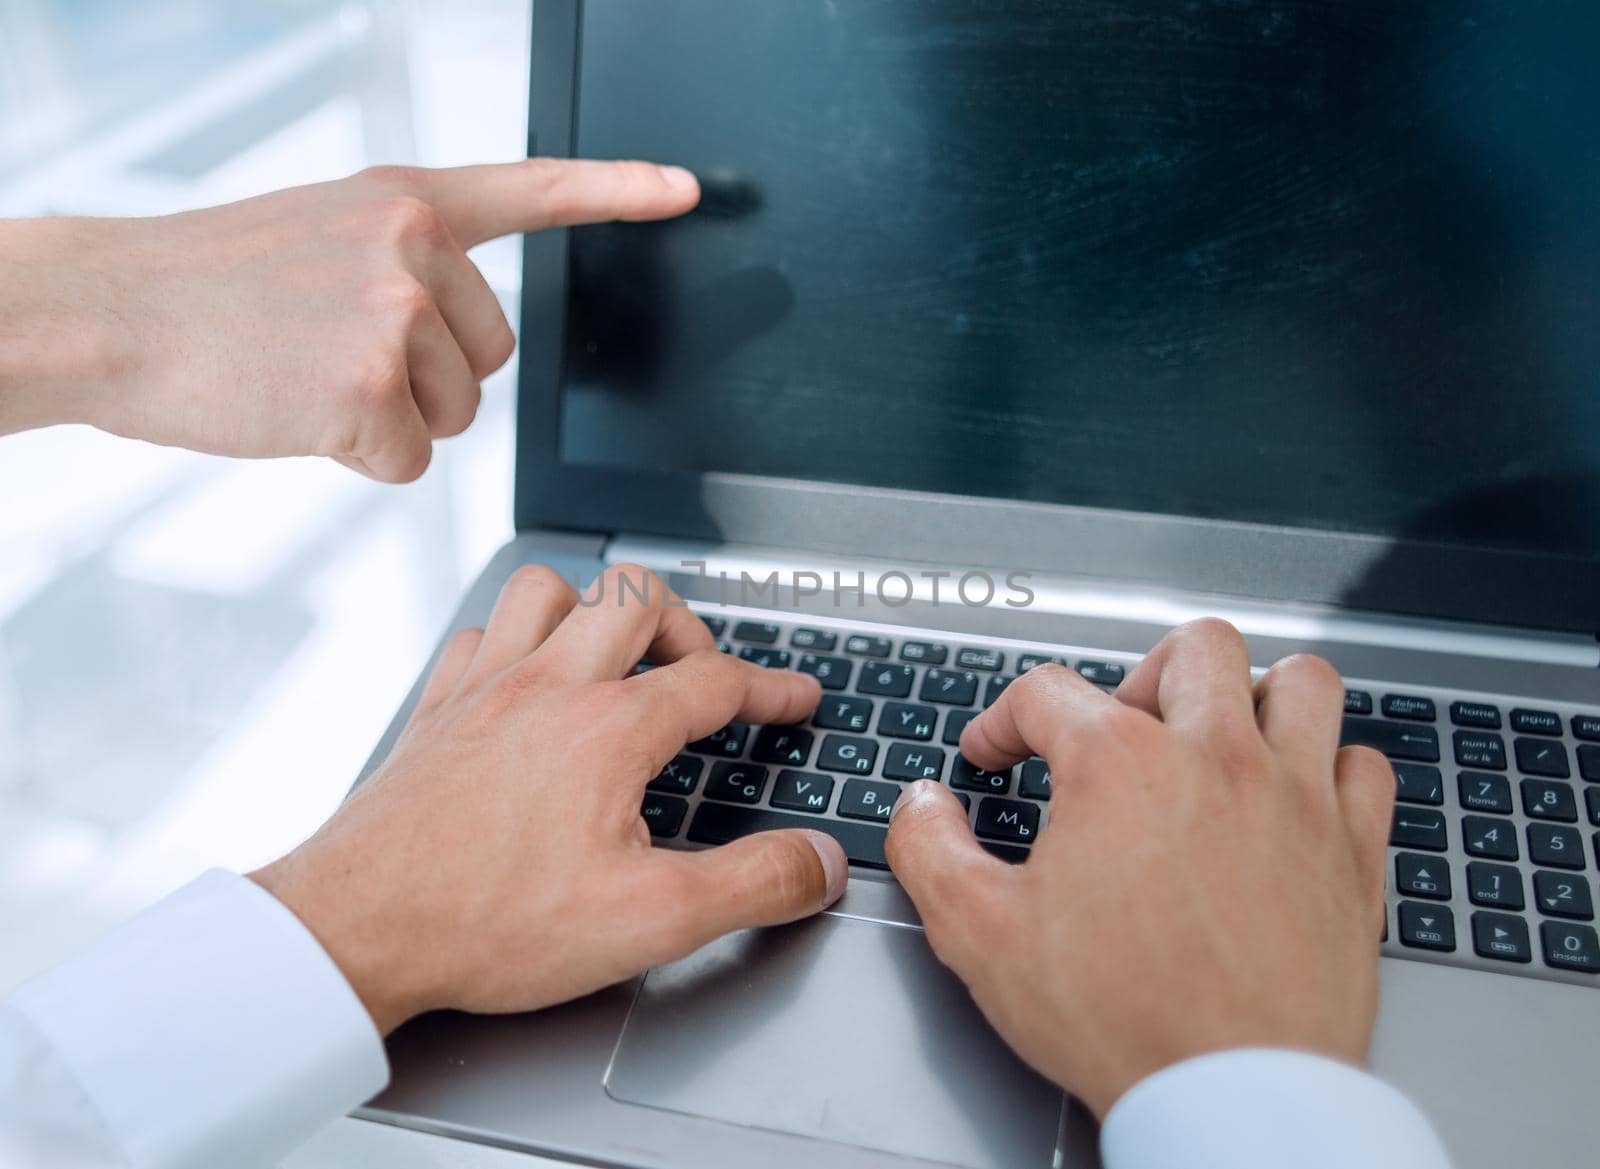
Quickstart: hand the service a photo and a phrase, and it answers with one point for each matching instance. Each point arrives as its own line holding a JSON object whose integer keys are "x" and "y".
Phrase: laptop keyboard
{"x": 1494, "y": 851}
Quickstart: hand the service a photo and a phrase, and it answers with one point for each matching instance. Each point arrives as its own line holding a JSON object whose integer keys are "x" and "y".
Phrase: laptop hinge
{"x": 743, "y": 566}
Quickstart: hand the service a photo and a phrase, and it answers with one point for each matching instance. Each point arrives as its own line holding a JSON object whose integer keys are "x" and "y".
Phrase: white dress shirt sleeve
{"x": 210, "y": 1030}
{"x": 1264, "y": 1109}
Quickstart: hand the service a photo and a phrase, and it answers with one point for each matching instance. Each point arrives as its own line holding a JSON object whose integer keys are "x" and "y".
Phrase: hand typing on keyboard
{"x": 340, "y": 319}
{"x": 498, "y": 862}
{"x": 1211, "y": 876}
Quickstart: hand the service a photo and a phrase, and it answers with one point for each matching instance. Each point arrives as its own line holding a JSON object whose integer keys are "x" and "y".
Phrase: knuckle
{"x": 1311, "y": 670}
{"x": 1209, "y": 633}
{"x": 405, "y": 222}
{"x": 535, "y": 579}
{"x": 461, "y": 412}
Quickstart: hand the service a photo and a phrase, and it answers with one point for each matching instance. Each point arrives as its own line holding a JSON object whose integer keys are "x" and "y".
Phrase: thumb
{"x": 955, "y": 885}
{"x": 483, "y": 202}
{"x": 765, "y": 879}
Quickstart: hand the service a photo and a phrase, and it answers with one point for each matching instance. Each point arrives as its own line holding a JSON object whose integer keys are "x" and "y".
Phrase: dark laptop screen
{"x": 1333, "y": 265}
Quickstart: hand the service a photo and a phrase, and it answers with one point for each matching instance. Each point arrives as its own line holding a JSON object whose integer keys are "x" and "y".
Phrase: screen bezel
{"x": 1372, "y": 573}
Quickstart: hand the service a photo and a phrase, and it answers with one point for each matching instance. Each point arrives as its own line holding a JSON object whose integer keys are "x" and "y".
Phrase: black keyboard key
{"x": 1357, "y": 702}
{"x": 1586, "y": 726}
{"x": 843, "y": 753}
{"x": 953, "y": 687}
{"x": 1475, "y": 714}
{"x": 678, "y": 777}
{"x": 1496, "y": 885}
{"x": 663, "y": 814}
{"x": 1409, "y": 706}
{"x": 833, "y": 673}
{"x": 1481, "y": 791}
{"x": 980, "y": 659}
{"x": 1035, "y": 782}
{"x": 1561, "y": 895}
{"x": 1012, "y": 854}
{"x": 760, "y": 632}
{"x": 907, "y": 720}
{"x": 1545, "y": 799}
{"x": 838, "y": 713}
{"x": 993, "y": 689}
{"x": 1427, "y": 927}
{"x": 954, "y": 723}
{"x": 728, "y": 742}
{"x": 785, "y": 746}
{"x": 891, "y": 679}
{"x": 720, "y": 823}
{"x": 963, "y": 775}
{"x": 1416, "y": 875}
{"x": 742, "y": 783}
{"x": 1589, "y": 763}
{"x": 1591, "y": 796}
{"x": 864, "y": 799}
{"x": 1418, "y": 828}
{"x": 925, "y": 653}
{"x": 814, "y": 639}
{"x": 1418, "y": 783}
{"x": 1542, "y": 757}
{"x": 1102, "y": 673}
{"x": 1026, "y": 662}
{"x": 724, "y": 647}
{"x": 910, "y": 761}
{"x": 1502, "y": 936}
{"x": 802, "y": 791}
{"x": 865, "y": 646}
{"x": 1480, "y": 749}
{"x": 1494, "y": 839}
{"x": 1009, "y": 820}
{"x": 1555, "y": 847}
{"x": 1536, "y": 722}
{"x": 1394, "y": 739}
{"x": 717, "y": 625}
{"x": 767, "y": 658}
{"x": 1570, "y": 947}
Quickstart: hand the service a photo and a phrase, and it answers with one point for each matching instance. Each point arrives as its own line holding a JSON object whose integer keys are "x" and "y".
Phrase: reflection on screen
{"x": 1317, "y": 264}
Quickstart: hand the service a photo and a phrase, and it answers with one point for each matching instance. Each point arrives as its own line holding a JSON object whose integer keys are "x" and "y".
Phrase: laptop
{"x": 1013, "y": 331}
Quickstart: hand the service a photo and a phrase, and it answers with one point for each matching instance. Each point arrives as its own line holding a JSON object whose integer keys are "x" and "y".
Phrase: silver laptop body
{"x": 842, "y": 443}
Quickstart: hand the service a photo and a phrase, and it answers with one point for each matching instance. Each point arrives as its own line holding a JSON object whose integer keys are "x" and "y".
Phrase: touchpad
{"x": 839, "y": 1029}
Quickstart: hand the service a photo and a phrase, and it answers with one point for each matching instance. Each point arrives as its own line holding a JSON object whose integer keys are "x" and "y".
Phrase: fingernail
{"x": 913, "y": 794}
{"x": 833, "y": 863}
{"x": 679, "y": 179}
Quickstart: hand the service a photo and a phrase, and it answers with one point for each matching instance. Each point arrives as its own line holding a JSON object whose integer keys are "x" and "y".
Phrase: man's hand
{"x": 341, "y": 319}
{"x": 497, "y": 861}
{"x": 1211, "y": 876}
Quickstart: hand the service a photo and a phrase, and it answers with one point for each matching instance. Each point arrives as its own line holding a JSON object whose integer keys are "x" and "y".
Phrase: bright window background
{"x": 197, "y": 655}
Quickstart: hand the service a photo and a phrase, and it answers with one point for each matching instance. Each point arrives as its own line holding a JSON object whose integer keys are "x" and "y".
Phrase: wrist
{"x": 67, "y": 343}
{"x": 368, "y": 950}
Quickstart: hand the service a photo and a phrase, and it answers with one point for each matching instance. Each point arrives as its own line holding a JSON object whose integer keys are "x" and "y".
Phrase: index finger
{"x": 705, "y": 691}
{"x": 494, "y": 199}
{"x": 1038, "y": 714}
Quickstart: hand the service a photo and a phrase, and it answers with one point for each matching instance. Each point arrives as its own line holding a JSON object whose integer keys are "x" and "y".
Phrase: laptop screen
{"x": 1333, "y": 266}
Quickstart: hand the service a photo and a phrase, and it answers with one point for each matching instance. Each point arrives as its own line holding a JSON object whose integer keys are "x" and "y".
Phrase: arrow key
{"x": 1501, "y": 936}
{"x": 1563, "y": 895}
{"x": 1421, "y": 876}
{"x": 1427, "y": 927}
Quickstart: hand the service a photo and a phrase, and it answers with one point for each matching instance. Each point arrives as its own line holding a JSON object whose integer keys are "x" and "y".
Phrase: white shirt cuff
{"x": 1254, "y": 1108}
{"x": 210, "y": 1030}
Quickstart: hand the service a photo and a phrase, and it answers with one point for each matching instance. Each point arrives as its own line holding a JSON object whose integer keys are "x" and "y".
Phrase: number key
{"x": 955, "y": 687}
{"x": 833, "y": 673}
{"x": 1496, "y": 885}
{"x": 1494, "y": 839}
{"x": 1482, "y": 792}
{"x": 1570, "y": 947}
{"x": 1546, "y": 800}
{"x": 891, "y": 679}
{"x": 1554, "y": 846}
{"x": 1562, "y": 896}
